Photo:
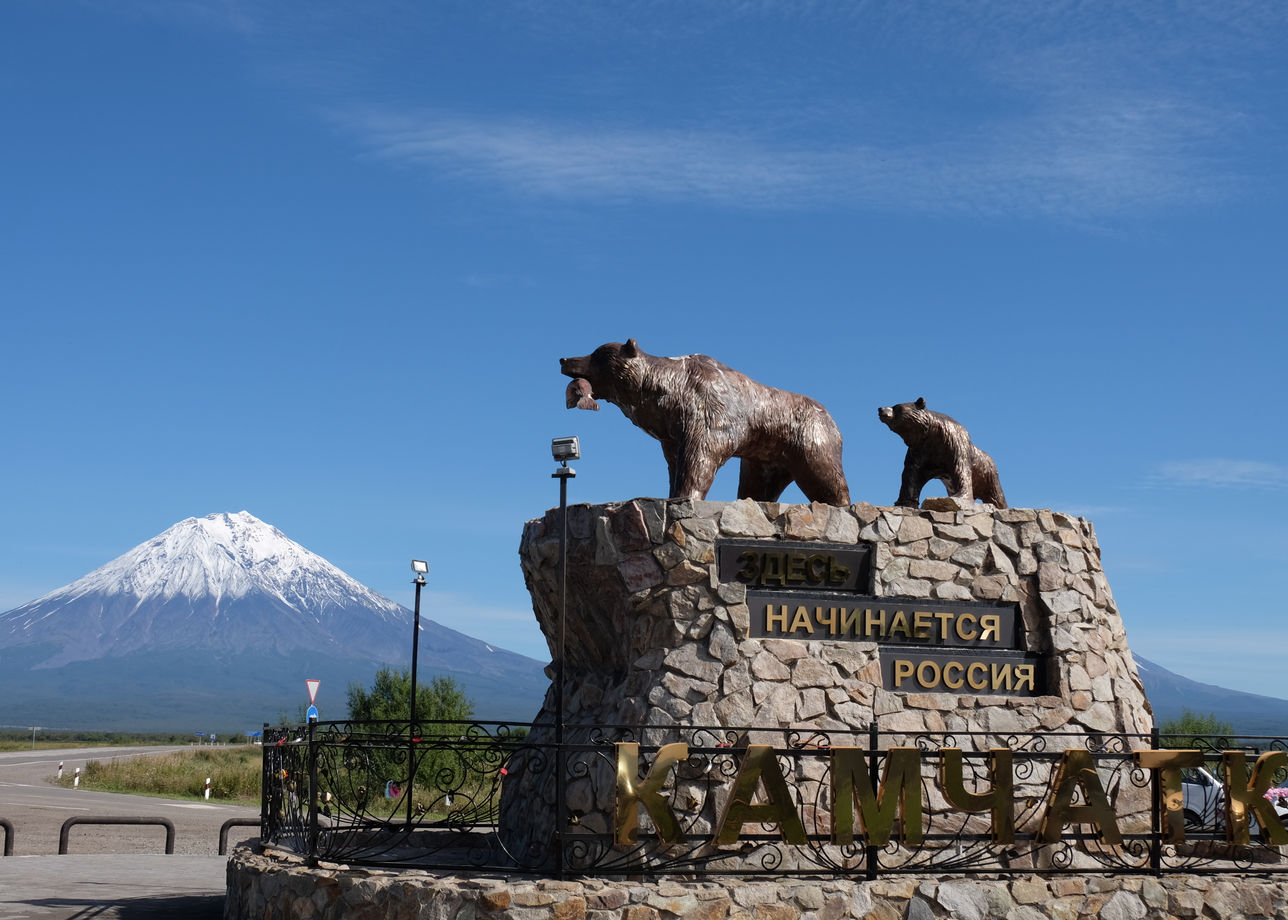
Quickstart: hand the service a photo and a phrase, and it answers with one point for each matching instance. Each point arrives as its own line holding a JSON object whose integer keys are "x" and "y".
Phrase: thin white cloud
{"x": 568, "y": 161}
{"x": 1048, "y": 110}
{"x": 1085, "y": 162}
{"x": 1062, "y": 109}
{"x": 1218, "y": 473}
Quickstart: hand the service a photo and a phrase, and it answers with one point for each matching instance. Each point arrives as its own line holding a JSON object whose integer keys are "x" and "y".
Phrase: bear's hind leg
{"x": 991, "y": 494}
{"x": 988, "y": 487}
{"x": 761, "y": 481}
{"x": 826, "y": 486}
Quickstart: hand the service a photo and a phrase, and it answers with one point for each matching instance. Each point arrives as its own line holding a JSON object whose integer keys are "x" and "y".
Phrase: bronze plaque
{"x": 980, "y": 671}
{"x": 775, "y": 565}
{"x": 888, "y": 620}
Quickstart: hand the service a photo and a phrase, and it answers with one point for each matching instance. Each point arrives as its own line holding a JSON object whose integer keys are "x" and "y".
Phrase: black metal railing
{"x": 757, "y": 801}
{"x": 64, "y": 833}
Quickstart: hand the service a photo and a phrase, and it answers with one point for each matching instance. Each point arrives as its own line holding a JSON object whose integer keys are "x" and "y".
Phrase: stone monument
{"x": 953, "y": 618}
{"x": 787, "y": 667}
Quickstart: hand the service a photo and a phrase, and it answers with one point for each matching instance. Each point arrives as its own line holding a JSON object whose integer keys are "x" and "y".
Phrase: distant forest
{"x": 12, "y": 738}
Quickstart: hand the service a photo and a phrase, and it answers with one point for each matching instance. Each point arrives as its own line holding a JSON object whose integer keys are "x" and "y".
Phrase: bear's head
{"x": 906, "y": 419}
{"x": 609, "y": 368}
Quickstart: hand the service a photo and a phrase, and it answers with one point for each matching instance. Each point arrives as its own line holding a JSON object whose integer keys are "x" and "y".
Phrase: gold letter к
{"x": 631, "y": 794}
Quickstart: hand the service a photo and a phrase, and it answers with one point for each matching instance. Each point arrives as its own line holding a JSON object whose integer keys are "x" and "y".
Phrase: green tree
{"x": 1190, "y": 726}
{"x": 389, "y": 699}
{"x": 443, "y": 767}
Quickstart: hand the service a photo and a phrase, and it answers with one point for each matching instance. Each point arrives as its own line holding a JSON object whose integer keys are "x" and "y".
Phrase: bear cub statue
{"x": 940, "y": 448}
{"x": 705, "y": 413}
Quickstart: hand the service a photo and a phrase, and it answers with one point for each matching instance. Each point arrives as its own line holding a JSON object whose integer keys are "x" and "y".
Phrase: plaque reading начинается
{"x": 896, "y": 620}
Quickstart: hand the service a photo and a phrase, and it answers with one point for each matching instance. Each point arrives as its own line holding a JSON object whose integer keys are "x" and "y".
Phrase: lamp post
{"x": 563, "y": 450}
{"x": 421, "y": 568}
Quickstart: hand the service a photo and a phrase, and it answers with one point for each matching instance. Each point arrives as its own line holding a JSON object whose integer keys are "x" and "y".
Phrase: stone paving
{"x": 121, "y": 887}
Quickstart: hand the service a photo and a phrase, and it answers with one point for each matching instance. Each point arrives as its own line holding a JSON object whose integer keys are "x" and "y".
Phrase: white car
{"x": 1203, "y": 799}
{"x": 1204, "y": 803}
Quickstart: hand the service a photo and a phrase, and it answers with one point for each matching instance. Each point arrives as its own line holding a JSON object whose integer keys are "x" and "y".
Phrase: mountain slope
{"x": 224, "y": 617}
{"x": 1250, "y": 713}
{"x": 227, "y": 582}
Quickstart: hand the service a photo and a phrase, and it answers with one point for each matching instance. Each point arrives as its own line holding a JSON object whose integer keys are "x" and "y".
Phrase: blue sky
{"x": 318, "y": 260}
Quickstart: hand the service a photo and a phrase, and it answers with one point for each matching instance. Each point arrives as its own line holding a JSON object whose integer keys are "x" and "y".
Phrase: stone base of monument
{"x": 656, "y": 634}
{"x": 262, "y": 886}
{"x": 952, "y": 625}
{"x": 797, "y": 638}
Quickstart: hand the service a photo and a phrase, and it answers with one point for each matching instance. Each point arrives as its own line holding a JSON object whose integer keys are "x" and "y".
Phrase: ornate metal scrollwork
{"x": 449, "y": 796}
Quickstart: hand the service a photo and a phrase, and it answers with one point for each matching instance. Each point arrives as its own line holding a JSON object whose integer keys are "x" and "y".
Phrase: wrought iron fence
{"x": 651, "y": 800}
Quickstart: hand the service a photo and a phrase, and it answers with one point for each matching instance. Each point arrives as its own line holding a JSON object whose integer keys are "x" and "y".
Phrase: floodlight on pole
{"x": 563, "y": 450}
{"x": 421, "y": 568}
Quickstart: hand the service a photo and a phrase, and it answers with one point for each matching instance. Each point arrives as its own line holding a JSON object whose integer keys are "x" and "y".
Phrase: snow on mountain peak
{"x": 225, "y": 556}
{"x": 220, "y": 608}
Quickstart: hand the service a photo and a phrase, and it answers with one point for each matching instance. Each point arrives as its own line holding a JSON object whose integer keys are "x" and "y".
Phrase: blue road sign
{"x": 313, "y": 714}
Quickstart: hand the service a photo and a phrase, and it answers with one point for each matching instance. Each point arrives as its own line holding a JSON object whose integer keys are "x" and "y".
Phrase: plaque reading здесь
{"x": 773, "y": 565}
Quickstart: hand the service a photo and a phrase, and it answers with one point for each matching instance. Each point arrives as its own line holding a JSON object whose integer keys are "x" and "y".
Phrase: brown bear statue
{"x": 705, "y": 413}
{"x": 940, "y": 448}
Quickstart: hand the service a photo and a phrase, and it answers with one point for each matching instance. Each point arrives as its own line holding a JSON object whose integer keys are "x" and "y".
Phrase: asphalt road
{"x": 112, "y": 871}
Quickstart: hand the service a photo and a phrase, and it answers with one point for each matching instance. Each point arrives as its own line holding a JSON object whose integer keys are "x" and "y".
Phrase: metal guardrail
{"x": 229, "y": 825}
{"x": 483, "y": 796}
{"x": 64, "y": 834}
{"x": 65, "y": 831}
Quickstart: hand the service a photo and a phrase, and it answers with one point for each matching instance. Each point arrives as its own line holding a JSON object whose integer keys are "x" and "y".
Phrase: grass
{"x": 234, "y": 774}
{"x": 16, "y": 740}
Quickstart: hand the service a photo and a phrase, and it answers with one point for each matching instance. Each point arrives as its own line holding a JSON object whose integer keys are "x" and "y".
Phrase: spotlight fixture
{"x": 565, "y": 449}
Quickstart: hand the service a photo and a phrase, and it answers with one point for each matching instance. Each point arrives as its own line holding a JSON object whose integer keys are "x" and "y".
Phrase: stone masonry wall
{"x": 262, "y": 886}
{"x": 655, "y": 638}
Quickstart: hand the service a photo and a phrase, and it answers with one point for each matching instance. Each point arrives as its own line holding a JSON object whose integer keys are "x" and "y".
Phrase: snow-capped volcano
{"x": 223, "y": 618}
{"x": 225, "y": 556}
{"x": 222, "y": 582}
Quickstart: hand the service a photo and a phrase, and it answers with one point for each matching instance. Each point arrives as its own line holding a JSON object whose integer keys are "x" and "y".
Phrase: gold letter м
{"x": 900, "y": 790}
